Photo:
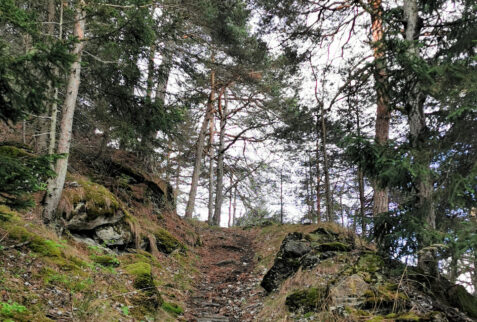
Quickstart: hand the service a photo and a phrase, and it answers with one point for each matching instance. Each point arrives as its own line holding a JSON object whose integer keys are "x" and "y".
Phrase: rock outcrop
{"x": 345, "y": 280}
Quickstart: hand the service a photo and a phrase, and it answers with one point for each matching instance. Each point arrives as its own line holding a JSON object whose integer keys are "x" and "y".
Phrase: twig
{"x": 397, "y": 290}
{"x": 4, "y": 236}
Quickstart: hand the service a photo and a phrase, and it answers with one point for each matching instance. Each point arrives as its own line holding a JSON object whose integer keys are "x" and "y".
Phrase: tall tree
{"x": 383, "y": 110}
{"x": 55, "y": 186}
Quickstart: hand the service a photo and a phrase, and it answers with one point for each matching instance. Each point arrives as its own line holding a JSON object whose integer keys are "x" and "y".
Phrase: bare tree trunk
{"x": 234, "y": 206}
{"x": 230, "y": 202}
{"x": 383, "y": 114}
{"x": 211, "y": 170}
{"x": 54, "y": 105}
{"x": 312, "y": 191}
{"x": 418, "y": 132}
{"x": 341, "y": 209}
{"x": 168, "y": 159}
{"x": 281, "y": 196}
{"x": 42, "y": 145}
{"x": 329, "y": 213}
{"x": 55, "y": 186}
{"x": 200, "y": 148}
{"x": 220, "y": 159}
{"x": 178, "y": 175}
{"x": 318, "y": 180}
{"x": 362, "y": 200}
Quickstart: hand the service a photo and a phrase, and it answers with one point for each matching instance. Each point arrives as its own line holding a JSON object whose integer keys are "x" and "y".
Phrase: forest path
{"x": 226, "y": 288}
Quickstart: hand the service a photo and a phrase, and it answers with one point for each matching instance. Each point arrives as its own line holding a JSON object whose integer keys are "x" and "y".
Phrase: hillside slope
{"x": 123, "y": 254}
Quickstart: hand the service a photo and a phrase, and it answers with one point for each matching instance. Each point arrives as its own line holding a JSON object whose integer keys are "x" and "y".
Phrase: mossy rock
{"x": 404, "y": 317}
{"x": 333, "y": 247}
{"x": 172, "y": 308}
{"x": 370, "y": 263}
{"x": 105, "y": 260}
{"x": 167, "y": 243}
{"x": 309, "y": 300}
{"x": 459, "y": 297}
{"x": 386, "y": 297}
{"x": 98, "y": 201}
{"x": 144, "y": 281}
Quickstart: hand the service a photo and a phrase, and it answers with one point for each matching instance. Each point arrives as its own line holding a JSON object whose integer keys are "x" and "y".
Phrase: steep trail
{"x": 226, "y": 288}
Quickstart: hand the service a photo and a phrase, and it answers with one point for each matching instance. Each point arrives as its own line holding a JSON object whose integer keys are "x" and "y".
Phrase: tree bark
{"x": 383, "y": 114}
{"x": 318, "y": 180}
{"x": 281, "y": 196}
{"x": 42, "y": 145}
{"x": 220, "y": 159}
{"x": 362, "y": 200}
{"x": 230, "y": 203}
{"x": 55, "y": 186}
{"x": 329, "y": 213}
{"x": 418, "y": 133}
{"x": 234, "y": 206}
{"x": 200, "y": 148}
{"x": 210, "y": 216}
{"x": 54, "y": 105}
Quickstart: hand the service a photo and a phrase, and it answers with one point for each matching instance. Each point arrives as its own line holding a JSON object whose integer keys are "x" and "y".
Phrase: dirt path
{"x": 226, "y": 286}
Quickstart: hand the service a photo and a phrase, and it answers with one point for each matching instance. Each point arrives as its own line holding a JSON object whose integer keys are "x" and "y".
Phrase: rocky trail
{"x": 226, "y": 289}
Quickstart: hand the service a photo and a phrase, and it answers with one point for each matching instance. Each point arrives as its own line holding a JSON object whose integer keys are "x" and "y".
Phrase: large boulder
{"x": 89, "y": 210}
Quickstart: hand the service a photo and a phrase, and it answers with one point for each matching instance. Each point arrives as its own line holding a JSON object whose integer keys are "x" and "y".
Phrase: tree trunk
{"x": 383, "y": 115}
{"x": 220, "y": 159}
{"x": 312, "y": 191}
{"x": 230, "y": 202}
{"x": 55, "y": 186}
{"x": 211, "y": 170}
{"x": 42, "y": 144}
{"x": 234, "y": 206}
{"x": 281, "y": 196}
{"x": 329, "y": 213}
{"x": 362, "y": 200}
{"x": 200, "y": 148}
{"x": 318, "y": 180}
{"x": 418, "y": 133}
{"x": 54, "y": 105}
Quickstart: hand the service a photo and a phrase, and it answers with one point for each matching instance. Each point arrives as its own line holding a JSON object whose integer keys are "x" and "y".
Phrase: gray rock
{"x": 82, "y": 221}
{"x": 117, "y": 235}
{"x": 348, "y": 291}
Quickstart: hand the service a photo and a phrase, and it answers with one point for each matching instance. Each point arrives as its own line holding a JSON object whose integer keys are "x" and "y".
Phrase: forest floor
{"x": 227, "y": 285}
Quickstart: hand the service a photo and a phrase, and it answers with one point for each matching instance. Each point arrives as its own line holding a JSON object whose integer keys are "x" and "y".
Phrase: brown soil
{"x": 226, "y": 288}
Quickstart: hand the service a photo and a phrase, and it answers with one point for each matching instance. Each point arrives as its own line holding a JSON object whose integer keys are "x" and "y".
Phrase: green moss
{"x": 405, "y": 317}
{"x": 370, "y": 263}
{"x": 13, "y": 310}
{"x": 142, "y": 275}
{"x": 308, "y": 300}
{"x": 385, "y": 295}
{"x": 459, "y": 297}
{"x": 166, "y": 242}
{"x": 6, "y": 214}
{"x": 138, "y": 268}
{"x": 68, "y": 281}
{"x": 98, "y": 200}
{"x": 376, "y": 319}
{"x": 105, "y": 260}
{"x": 45, "y": 247}
{"x": 172, "y": 308}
